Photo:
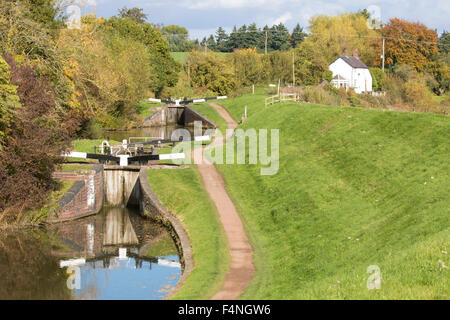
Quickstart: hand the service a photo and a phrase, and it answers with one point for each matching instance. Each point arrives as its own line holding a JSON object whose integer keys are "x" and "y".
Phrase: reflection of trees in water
{"x": 27, "y": 268}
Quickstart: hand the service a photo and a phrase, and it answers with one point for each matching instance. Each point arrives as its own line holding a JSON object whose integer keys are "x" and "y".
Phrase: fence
{"x": 283, "y": 97}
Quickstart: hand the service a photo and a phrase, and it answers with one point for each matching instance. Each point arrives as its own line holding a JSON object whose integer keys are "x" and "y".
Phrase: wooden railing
{"x": 283, "y": 97}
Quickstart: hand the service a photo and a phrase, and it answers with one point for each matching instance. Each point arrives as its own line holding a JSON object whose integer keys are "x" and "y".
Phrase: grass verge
{"x": 183, "y": 194}
{"x": 355, "y": 188}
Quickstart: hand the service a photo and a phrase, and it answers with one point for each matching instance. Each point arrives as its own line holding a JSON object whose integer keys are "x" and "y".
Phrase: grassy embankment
{"x": 355, "y": 188}
{"x": 183, "y": 194}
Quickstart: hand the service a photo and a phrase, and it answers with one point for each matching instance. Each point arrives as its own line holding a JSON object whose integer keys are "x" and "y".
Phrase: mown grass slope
{"x": 183, "y": 194}
{"x": 355, "y": 188}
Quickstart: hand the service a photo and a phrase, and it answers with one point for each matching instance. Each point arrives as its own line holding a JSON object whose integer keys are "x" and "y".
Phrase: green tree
{"x": 310, "y": 67}
{"x": 165, "y": 69}
{"x": 255, "y": 36}
{"x": 377, "y": 78}
{"x": 135, "y": 14}
{"x": 221, "y": 40}
{"x": 279, "y": 37}
{"x": 9, "y": 101}
{"x": 178, "y": 38}
{"x": 297, "y": 36}
{"x": 247, "y": 65}
{"x": 209, "y": 72}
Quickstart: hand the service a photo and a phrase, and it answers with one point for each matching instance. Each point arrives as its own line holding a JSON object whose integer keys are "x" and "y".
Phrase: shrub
{"x": 417, "y": 95}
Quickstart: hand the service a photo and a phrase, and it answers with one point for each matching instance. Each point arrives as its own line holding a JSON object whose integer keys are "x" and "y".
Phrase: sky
{"x": 203, "y": 17}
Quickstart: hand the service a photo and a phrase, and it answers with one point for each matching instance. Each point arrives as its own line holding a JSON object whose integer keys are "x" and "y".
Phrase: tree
{"x": 211, "y": 43}
{"x": 247, "y": 65}
{"x": 165, "y": 69}
{"x": 209, "y": 71}
{"x": 377, "y": 78}
{"x": 38, "y": 137}
{"x": 178, "y": 38}
{"x": 331, "y": 36}
{"x": 444, "y": 48}
{"x": 135, "y": 14}
{"x": 9, "y": 101}
{"x": 409, "y": 43}
{"x": 279, "y": 37}
{"x": 297, "y": 36}
{"x": 444, "y": 43}
{"x": 310, "y": 67}
{"x": 233, "y": 40}
{"x": 255, "y": 38}
{"x": 221, "y": 40}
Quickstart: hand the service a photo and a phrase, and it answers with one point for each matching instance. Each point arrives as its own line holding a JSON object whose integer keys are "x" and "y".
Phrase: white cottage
{"x": 351, "y": 73}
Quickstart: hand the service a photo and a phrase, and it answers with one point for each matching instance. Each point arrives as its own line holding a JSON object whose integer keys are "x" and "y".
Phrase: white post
{"x": 253, "y": 89}
{"x": 293, "y": 68}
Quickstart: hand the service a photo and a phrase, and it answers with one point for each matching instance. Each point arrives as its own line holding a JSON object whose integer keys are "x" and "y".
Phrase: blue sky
{"x": 203, "y": 17}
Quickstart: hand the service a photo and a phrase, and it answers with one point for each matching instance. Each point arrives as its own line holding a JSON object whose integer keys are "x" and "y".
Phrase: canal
{"x": 115, "y": 254}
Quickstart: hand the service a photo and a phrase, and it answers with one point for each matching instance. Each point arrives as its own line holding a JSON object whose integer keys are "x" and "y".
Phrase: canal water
{"x": 115, "y": 254}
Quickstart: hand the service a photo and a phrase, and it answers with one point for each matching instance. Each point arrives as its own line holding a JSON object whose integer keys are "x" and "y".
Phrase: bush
{"x": 355, "y": 102}
{"x": 417, "y": 95}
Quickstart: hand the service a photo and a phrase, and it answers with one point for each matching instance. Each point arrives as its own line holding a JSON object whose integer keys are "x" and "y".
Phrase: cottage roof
{"x": 354, "y": 62}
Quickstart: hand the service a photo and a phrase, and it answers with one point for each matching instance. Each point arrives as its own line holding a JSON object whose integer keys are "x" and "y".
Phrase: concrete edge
{"x": 198, "y": 114}
{"x": 169, "y": 220}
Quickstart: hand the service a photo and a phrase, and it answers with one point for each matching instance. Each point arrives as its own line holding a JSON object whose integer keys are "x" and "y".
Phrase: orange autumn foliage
{"x": 410, "y": 43}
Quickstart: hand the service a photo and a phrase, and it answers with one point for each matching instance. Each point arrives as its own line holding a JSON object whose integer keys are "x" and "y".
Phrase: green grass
{"x": 88, "y": 146}
{"x": 144, "y": 109}
{"x": 355, "y": 188}
{"x": 211, "y": 114}
{"x": 183, "y": 194}
{"x": 254, "y": 103}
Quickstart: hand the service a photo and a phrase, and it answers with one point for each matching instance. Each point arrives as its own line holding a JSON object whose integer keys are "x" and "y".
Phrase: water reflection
{"x": 113, "y": 255}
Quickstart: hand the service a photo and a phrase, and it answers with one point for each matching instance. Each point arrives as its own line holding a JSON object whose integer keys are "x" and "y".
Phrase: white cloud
{"x": 281, "y": 19}
{"x": 227, "y": 4}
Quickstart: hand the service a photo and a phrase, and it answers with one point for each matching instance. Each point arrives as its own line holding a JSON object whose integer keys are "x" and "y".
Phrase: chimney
{"x": 355, "y": 53}
{"x": 345, "y": 53}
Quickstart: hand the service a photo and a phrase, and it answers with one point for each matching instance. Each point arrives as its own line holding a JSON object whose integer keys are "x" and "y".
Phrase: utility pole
{"x": 293, "y": 68}
{"x": 265, "y": 44}
{"x": 383, "y": 55}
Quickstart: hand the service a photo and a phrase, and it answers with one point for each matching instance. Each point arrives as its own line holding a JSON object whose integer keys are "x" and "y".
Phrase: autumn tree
{"x": 135, "y": 14}
{"x": 410, "y": 43}
{"x": 332, "y": 35}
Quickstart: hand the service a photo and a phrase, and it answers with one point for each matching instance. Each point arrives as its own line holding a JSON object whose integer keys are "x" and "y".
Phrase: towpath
{"x": 241, "y": 271}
